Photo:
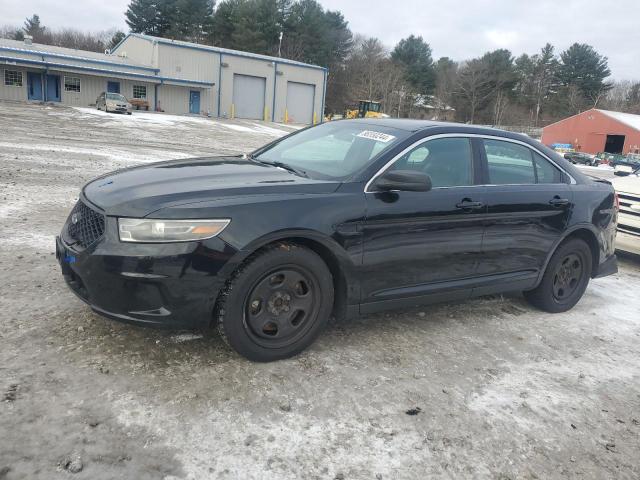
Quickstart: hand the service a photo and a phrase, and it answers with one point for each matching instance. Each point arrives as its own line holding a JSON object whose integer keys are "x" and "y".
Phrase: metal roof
{"x": 224, "y": 51}
{"x": 21, "y": 47}
{"x": 628, "y": 119}
{"x": 50, "y": 56}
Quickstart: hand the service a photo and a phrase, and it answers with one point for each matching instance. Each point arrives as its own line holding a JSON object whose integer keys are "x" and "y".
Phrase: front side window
{"x": 140, "y": 91}
{"x": 448, "y": 161}
{"x": 333, "y": 150}
{"x": 71, "y": 84}
{"x": 13, "y": 78}
{"x": 513, "y": 164}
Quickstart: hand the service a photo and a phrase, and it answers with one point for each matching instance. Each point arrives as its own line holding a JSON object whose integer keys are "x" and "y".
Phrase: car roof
{"x": 412, "y": 125}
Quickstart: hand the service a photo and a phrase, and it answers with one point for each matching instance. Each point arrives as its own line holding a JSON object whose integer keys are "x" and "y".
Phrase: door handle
{"x": 558, "y": 202}
{"x": 469, "y": 205}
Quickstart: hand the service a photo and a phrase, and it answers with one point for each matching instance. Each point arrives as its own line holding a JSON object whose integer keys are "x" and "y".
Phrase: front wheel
{"x": 276, "y": 304}
{"x": 565, "y": 279}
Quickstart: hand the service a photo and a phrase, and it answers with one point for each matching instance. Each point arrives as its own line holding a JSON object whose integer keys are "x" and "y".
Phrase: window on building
{"x": 13, "y": 78}
{"x": 71, "y": 84}
{"x": 140, "y": 91}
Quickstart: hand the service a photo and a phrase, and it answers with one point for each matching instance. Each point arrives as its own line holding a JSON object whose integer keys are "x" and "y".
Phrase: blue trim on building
{"x": 120, "y": 43}
{"x": 275, "y": 81}
{"x": 72, "y": 57}
{"x": 219, "y": 81}
{"x": 63, "y": 66}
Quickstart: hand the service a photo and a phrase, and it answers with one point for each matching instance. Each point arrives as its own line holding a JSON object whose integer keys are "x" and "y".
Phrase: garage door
{"x": 248, "y": 96}
{"x": 300, "y": 97}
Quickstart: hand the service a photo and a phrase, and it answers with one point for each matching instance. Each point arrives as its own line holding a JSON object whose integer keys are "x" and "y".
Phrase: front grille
{"x": 626, "y": 203}
{"x": 85, "y": 225}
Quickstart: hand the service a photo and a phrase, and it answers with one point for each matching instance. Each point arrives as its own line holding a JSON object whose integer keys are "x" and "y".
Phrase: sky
{"x": 461, "y": 30}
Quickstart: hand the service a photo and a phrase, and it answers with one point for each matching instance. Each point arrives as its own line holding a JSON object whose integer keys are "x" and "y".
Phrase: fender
{"x": 570, "y": 230}
{"x": 345, "y": 262}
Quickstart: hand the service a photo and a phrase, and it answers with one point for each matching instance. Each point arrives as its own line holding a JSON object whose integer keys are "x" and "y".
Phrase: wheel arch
{"x": 346, "y": 291}
{"x": 585, "y": 232}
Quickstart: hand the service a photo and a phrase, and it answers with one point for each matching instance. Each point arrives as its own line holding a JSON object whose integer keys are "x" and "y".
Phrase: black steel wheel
{"x": 276, "y": 304}
{"x": 565, "y": 278}
{"x": 282, "y": 306}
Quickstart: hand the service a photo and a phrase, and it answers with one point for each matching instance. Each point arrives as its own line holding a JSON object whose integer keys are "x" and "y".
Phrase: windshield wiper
{"x": 285, "y": 166}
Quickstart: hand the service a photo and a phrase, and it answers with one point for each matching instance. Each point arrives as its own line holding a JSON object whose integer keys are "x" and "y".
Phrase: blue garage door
{"x": 53, "y": 88}
{"x": 34, "y": 86}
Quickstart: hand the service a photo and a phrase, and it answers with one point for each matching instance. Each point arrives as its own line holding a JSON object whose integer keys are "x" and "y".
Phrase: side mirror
{"x": 404, "y": 180}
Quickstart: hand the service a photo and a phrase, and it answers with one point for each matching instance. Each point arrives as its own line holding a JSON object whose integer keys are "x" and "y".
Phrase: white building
{"x": 172, "y": 76}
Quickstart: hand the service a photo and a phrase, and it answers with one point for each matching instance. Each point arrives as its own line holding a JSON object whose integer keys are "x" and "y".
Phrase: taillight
{"x": 617, "y": 200}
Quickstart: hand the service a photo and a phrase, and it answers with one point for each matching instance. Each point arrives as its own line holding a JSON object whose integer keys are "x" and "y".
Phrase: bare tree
{"x": 474, "y": 85}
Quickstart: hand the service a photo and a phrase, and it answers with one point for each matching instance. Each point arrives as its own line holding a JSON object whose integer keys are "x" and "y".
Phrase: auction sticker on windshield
{"x": 377, "y": 136}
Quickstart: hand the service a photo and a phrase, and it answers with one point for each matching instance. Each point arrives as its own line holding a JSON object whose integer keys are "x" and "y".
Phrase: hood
{"x": 627, "y": 184}
{"x": 140, "y": 191}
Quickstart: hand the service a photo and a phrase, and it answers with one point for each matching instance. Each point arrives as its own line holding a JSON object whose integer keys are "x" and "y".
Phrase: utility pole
{"x": 280, "y": 45}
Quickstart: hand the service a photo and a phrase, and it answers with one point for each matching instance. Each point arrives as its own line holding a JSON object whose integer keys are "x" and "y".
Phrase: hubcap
{"x": 567, "y": 276}
{"x": 281, "y": 306}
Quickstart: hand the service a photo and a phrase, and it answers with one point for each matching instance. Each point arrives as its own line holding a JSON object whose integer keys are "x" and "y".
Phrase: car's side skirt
{"x": 463, "y": 289}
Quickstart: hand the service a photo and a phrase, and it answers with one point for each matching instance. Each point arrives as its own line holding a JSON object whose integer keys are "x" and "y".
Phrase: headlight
{"x": 159, "y": 231}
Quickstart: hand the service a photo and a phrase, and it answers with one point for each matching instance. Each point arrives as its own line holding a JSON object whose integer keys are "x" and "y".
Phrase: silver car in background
{"x": 628, "y": 190}
{"x": 113, "y": 102}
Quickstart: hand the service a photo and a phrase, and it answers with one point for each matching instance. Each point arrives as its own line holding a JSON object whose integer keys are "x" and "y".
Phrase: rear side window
{"x": 512, "y": 164}
{"x": 546, "y": 171}
{"x": 448, "y": 161}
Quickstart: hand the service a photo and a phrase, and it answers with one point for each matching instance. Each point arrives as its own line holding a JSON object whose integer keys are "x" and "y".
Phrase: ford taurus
{"x": 345, "y": 218}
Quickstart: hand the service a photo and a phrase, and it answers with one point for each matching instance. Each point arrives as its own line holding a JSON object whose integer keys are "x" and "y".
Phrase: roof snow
{"x": 628, "y": 119}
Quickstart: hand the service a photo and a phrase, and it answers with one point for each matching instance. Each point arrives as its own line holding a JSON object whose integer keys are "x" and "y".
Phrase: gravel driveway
{"x": 488, "y": 388}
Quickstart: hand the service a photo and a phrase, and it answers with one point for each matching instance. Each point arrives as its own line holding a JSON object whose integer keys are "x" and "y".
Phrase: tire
{"x": 565, "y": 279}
{"x": 276, "y": 304}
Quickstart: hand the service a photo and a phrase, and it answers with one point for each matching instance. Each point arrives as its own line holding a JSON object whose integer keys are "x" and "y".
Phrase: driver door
{"x": 425, "y": 245}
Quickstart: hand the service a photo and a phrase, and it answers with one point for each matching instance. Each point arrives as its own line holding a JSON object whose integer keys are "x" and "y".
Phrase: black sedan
{"x": 345, "y": 218}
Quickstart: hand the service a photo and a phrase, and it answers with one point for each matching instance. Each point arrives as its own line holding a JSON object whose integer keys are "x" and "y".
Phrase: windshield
{"x": 333, "y": 150}
{"x": 116, "y": 96}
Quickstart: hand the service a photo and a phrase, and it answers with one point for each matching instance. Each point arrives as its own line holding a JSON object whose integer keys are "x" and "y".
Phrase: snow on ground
{"x": 152, "y": 119}
{"x": 504, "y": 391}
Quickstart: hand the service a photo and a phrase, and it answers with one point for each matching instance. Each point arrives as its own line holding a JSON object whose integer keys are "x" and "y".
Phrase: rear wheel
{"x": 565, "y": 279}
{"x": 276, "y": 304}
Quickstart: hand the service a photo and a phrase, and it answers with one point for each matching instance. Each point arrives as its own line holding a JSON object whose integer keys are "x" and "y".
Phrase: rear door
{"x": 529, "y": 204}
{"x": 421, "y": 244}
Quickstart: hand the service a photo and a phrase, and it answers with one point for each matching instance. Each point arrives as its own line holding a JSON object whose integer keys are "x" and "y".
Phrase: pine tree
{"x": 583, "y": 70}
{"x": 116, "y": 39}
{"x": 33, "y": 27}
{"x": 415, "y": 55}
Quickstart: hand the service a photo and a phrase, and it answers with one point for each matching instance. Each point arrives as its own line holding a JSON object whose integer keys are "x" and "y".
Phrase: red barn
{"x": 596, "y": 131}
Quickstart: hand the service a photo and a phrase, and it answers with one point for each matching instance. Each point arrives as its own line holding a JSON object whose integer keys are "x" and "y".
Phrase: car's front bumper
{"x": 170, "y": 285}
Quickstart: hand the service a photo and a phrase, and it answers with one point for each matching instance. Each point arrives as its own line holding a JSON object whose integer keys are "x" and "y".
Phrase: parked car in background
{"x": 628, "y": 190}
{"x": 344, "y": 218}
{"x": 626, "y": 165}
{"x": 113, "y": 102}
{"x": 581, "y": 158}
